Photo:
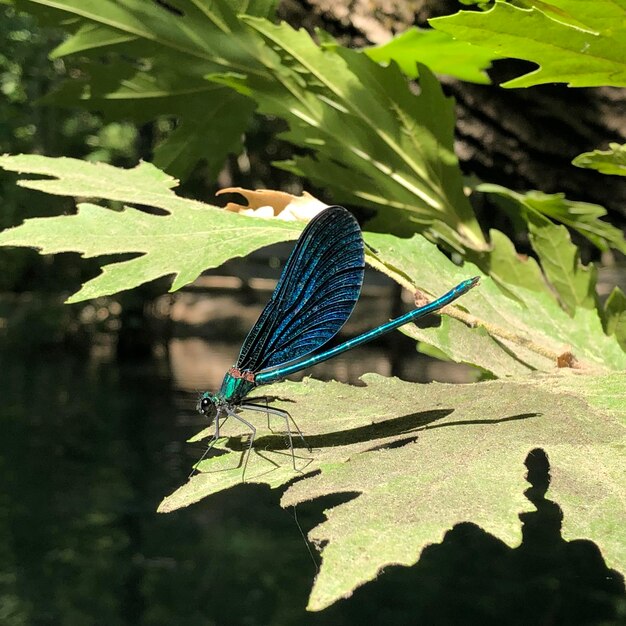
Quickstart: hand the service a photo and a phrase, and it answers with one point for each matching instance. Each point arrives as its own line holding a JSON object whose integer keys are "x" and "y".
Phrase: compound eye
{"x": 205, "y": 403}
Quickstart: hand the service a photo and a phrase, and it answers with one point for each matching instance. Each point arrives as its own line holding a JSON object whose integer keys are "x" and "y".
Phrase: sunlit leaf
{"x": 375, "y": 142}
{"x": 527, "y": 330}
{"x": 420, "y": 459}
{"x": 611, "y": 161}
{"x": 192, "y": 238}
{"x": 438, "y": 51}
{"x": 574, "y": 282}
{"x": 508, "y": 267}
{"x": 579, "y": 43}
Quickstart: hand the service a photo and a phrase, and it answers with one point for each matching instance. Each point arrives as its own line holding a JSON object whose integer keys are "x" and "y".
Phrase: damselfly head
{"x": 206, "y": 406}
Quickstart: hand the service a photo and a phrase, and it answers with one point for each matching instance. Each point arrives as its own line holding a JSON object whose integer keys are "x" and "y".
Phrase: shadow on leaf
{"x": 394, "y": 427}
{"x": 472, "y": 577}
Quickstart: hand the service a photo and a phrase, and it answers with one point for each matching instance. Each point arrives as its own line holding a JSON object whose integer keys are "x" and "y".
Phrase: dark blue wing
{"x": 315, "y": 295}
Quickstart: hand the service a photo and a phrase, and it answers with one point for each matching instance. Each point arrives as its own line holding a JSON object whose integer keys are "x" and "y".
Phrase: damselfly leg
{"x": 214, "y": 438}
{"x": 250, "y": 444}
{"x": 287, "y": 417}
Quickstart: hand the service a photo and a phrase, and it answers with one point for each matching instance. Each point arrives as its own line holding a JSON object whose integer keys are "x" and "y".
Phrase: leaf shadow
{"x": 472, "y": 577}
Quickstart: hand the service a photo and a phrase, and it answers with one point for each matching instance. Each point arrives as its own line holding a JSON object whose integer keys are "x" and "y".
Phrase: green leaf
{"x": 422, "y": 458}
{"x": 579, "y": 43}
{"x": 196, "y": 138}
{"x": 559, "y": 257}
{"x": 611, "y": 161}
{"x": 375, "y": 143}
{"x": 144, "y": 184}
{"x": 192, "y": 238}
{"x": 181, "y": 51}
{"x": 505, "y": 265}
{"x": 123, "y": 91}
{"x": 582, "y": 217}
{"x": 524, "y": 332}
{"x": 615, "y": 316}
{"x": 438, "y": 51}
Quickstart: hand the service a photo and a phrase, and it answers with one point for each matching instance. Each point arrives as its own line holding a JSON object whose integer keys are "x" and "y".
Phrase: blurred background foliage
{"x": 28, "y": 126}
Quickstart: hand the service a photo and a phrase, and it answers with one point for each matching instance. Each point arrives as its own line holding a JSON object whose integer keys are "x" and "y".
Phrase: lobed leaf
{"x": 369, "y": 132}
{"x": 579, "y": 43}
{"x": 525, "y": 330}
{"x": 583, "y": 217}
{"x": 190, "y": 239}
{"x": 560, "y": 259}
{"x": 420, "y": 459}
{"x": 124, "y": 91}
{"x": 438, "y": 51}
{"x": 574, "y": 282}
{"x": 182, "y": 50}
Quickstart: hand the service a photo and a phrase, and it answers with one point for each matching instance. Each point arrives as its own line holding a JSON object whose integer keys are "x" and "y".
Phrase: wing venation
{"x": 315, "y": 295}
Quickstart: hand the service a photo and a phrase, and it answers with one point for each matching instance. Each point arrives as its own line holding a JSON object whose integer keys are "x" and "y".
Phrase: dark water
{"x": 89, "y": 446}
